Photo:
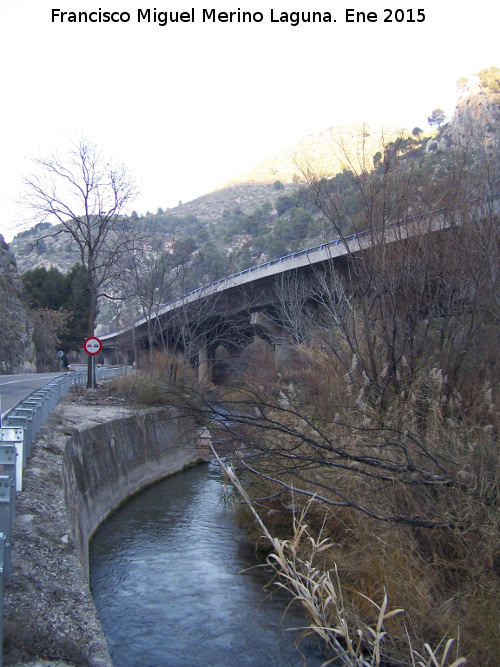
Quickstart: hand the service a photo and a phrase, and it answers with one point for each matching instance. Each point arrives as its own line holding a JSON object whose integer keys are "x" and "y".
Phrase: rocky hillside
{"x": 16, "y": 349}
{"x": 282, "y": 173}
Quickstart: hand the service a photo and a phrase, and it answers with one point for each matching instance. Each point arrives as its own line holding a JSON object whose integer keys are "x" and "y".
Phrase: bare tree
{"x": 413, "y": 286}
{"x": 198, "y": 325}
{"x": 294, "y": 295}
{"x": 146, "y": 281}
{"x": 278, "y": 442}
{"x": 86, "y": 196}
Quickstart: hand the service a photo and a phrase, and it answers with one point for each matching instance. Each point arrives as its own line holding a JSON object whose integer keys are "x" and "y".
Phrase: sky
{"x": 188, "y": 105}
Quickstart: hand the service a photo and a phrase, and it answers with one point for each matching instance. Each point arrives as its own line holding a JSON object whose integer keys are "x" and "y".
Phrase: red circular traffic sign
{"x": 92, "y": 345}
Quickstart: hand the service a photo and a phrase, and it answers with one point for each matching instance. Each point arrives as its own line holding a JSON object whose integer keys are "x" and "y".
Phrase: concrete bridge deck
{"x": 330, "y": 251}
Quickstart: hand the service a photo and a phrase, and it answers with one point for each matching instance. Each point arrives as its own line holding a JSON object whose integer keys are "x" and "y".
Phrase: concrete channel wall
{"x": 108, "y": 463}
{"x": 91, "y": 454}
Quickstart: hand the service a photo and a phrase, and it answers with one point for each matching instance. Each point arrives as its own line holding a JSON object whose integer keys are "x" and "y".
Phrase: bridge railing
{"x": 306, "y": 251}
{"x": 19, "y": 428}
{"x": 335, "y": 242}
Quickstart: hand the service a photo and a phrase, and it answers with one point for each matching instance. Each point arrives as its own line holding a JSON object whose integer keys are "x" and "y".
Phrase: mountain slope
{"x": 276, "y": 176}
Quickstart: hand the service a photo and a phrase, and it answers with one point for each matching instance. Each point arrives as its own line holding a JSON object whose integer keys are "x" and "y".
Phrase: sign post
{"x": 92, "y": 346}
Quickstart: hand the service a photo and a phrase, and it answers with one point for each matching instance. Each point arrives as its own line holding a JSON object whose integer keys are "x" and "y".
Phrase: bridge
{"x": 213, "y": 312}
{"x": 230, "y": 311}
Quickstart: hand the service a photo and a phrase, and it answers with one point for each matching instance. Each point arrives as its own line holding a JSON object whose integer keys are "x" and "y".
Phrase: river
{"x": 167, "y": 583}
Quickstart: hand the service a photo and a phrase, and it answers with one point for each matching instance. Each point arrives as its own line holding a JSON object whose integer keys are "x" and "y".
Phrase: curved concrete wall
{"x": 107, "y": 463}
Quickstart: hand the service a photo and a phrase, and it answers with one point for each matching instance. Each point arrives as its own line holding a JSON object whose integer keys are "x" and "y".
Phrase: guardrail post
{"x": 18, "y": 422}
{"x": 43, "y": 398}
{"x": 15, "y": 438}
{"x": 5, "y": 522}
{"x": 27, "y": 414}
{"x": 36, "y": 406}
{"x": 8, "y": 456}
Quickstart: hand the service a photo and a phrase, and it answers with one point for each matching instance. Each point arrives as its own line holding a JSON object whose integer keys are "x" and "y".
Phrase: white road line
{"x": 24, "y": 380}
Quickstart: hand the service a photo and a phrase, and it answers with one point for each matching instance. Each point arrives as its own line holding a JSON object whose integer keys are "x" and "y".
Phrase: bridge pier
{"x": 279, "y": 336}
{"x": 206, "y": 359}
{"x": 109, "y": 357}
{"x": 116, "y": 357}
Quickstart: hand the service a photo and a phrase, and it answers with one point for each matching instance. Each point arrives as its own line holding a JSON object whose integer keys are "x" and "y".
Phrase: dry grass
{"x": 446, "y": 578}
{"x": 346, "y": 638}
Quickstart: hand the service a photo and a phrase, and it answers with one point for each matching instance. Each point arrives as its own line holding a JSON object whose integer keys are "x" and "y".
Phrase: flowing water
{"x": 167, "y": 583}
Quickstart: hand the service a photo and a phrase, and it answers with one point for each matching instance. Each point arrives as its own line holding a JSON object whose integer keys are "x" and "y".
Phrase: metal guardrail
{"x": 335, "y": 242}
{"x": 19, "y": 428}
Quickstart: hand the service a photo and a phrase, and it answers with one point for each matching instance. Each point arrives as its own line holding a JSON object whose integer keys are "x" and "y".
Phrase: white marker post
{"x": 92, "y": 347}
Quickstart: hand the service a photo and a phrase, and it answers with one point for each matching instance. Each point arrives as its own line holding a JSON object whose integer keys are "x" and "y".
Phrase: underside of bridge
{"x": 210, "y": 332}
{"x": 210, "y": 345}
{"x": 210, "y": 327}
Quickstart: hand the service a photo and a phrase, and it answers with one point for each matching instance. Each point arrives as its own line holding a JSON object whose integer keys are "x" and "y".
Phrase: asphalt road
{"x": 13, "y": 388}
